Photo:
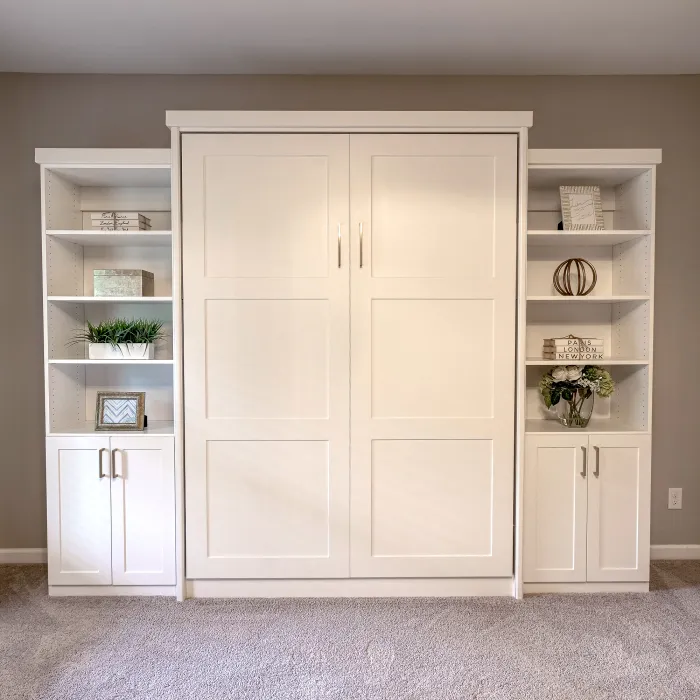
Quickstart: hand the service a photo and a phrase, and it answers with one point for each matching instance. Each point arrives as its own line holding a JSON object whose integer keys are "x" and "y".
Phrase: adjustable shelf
{"x": 583, "y": 238}
{"x": 159, "y": 239}
{"x": 590, "y": 299}
{"x": 111, "y": 300}
{"x": 605, "y": 362}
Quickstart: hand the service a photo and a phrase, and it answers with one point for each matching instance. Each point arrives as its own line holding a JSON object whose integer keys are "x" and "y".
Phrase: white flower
{"x": 573, "y": 372}
{"x": 560, "y": 374}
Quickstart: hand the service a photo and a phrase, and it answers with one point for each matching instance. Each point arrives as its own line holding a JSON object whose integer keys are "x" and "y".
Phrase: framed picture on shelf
{"x": 581, "y": 208}
{"x": 120, "y": 410}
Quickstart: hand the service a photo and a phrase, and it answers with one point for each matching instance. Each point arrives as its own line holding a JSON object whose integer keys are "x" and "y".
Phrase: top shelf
{"x": 115, "y": 238}
{"x": 546, "y": 238}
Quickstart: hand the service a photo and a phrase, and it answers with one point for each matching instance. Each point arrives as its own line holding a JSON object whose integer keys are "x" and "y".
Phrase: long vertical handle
{"x": 340, "y": 247}
{"x": 585, "y": 461}
{"x": 596, "y": 473}
{"x": 114, "y": 464}
{"x": 361, "y": 236}
{"x": 99, "y": 462}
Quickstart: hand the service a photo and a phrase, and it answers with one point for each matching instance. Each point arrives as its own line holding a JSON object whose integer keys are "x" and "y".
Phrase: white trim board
{"x": 593, "y": 587}
{"x": 242, "y": 120}
{"x": 349, "y": 588}
{"x": 675, "y": 551}
{"x": 23, "y": 556}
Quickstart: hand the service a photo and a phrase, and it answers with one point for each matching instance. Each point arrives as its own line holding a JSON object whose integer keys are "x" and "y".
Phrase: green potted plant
{"x": 570, "y": 390}
{"x": 120, "y": 339}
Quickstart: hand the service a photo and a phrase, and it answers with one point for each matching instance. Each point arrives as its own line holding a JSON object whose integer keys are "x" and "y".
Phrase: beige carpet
{"x": 635, "y": 647}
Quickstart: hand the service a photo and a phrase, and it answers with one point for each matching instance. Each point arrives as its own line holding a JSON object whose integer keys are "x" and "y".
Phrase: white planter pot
{"x": 123, "y": 351}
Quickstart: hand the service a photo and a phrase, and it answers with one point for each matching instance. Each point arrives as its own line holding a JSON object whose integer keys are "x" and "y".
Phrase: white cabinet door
{"x": 79, "y": 521}
{"x": 556, "y": 483}
{"x": 433, "y": 235}
{"x": 619, "y": 507}
{"x": 266, "y": 346}
{"x": 143, "y": 511}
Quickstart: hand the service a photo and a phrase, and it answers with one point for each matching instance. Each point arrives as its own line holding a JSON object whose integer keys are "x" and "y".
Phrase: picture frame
{"x": 120, "y": 410}
{"x": 581, "y": 208}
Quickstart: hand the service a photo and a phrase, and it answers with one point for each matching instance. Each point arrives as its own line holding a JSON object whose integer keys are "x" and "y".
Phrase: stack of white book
{"x": 573, "y": 348}
{"x": 119, "y": 221}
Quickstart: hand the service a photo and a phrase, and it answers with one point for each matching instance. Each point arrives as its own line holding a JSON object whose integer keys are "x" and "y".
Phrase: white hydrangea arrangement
{"x": 575, "y": 384}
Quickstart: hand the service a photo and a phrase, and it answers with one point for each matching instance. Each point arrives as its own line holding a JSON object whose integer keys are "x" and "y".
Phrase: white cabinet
{"x": 587, "y": 508}
{"x": 111, "y": 510}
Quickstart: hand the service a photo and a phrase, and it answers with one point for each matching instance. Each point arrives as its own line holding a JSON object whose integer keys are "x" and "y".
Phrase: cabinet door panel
{"x": 618, "y": 508}
{"x": 433, "y": 277}
{"x": 266, "y": 278}
{"x": 143, "y": 511}
{"x": 555, "y": 509}
{"x": 78, "y": 502}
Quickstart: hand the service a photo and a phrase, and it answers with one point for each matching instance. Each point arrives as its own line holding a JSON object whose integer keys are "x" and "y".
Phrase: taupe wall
{"x": 128, "y": 111}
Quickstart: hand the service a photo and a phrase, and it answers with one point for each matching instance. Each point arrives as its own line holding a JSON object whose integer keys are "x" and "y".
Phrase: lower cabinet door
{"x": 78, "y": 508}
{"x": 555, "y": 485}
{"x": 619, "y": 507}
{"x": 143, "y": 510}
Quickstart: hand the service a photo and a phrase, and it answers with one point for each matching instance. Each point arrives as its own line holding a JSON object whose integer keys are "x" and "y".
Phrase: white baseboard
{"x": 23, "y": 556}
{"x": 675, "y": 551}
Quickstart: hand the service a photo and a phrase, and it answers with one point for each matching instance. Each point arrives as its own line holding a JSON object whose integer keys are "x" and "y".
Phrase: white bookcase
{"x": 564, "y": 485}
{"x": 75, "y": 182}
{"x": 620, "y": 308}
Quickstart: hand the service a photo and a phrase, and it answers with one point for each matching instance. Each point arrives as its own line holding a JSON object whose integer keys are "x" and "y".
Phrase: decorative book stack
{"x": 573, "y": 348}
{"x": 119, "y": 221}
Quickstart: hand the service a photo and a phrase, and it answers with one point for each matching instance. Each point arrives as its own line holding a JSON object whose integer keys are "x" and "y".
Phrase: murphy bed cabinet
{"x": 361, "y": 292}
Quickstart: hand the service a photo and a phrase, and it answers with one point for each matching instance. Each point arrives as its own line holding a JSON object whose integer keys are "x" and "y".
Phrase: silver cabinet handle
{"x": 99, "y": 462}
{"x": 361, "y": 236}
{"x": 114, "y": 464}
{"x": 585, "y": 461}
{"x": 596, "y": 473}
{"x": 340, "y": 238}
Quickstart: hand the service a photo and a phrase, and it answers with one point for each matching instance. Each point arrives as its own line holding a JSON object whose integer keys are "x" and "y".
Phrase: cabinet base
{"x": 62, "y": 591}
{"x": 349, "y": 588}
{"x": 592, "y": 587}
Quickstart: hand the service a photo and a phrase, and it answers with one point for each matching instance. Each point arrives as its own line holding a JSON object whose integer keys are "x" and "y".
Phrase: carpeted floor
{"x": 620, "y": 647}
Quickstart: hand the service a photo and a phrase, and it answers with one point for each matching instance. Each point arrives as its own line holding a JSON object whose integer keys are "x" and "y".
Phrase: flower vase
{"x": 577, "y": 412}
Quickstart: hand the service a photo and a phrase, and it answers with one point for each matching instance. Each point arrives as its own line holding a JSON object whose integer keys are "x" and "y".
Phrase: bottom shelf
{"x": 87, "y": 428}
{"x": 601, "y": 425}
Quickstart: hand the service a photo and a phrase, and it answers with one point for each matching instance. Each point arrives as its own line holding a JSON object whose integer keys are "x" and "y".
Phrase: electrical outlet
{"x": 675, "y": 499}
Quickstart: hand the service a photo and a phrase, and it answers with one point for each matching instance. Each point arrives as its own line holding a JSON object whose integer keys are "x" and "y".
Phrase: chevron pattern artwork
{"x": 119, "y": 411}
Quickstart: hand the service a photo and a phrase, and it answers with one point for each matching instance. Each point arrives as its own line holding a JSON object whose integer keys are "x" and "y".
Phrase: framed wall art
{"x": 120, "y": 410}
{"x": 581, "y": 208}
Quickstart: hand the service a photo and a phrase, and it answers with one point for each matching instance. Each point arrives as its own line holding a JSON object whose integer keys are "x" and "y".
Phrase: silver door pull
{"x": 99, "y": 462}
{"x": 340, "y": 247}
{"x": 114, "y": 464}
{"x": 596, "y": 473}
{"x": 361, "y": 236}
{"x": 585, "y": 462}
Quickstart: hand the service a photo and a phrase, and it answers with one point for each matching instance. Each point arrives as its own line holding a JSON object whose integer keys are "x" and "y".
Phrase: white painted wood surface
{"x": 79, "y": 514}
{"x": 143, "y": 511}
{"x": 345, "y": 122}
{"x": 433, "y": 354}
{"x": 556, "y": 485}
{"x": 266, "y": 273}
{"x": 593, "y": 528}
{"x": 619, "y": 508}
